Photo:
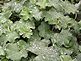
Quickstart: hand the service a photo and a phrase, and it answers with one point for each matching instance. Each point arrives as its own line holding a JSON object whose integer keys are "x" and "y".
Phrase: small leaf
{"x": 25, "y": 13}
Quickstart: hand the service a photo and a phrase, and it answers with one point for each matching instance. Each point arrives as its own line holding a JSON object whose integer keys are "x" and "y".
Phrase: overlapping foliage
{"x": 39, "y": 30}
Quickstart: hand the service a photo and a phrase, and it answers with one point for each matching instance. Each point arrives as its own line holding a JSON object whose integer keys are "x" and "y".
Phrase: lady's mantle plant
{"x": 39, "y": 30}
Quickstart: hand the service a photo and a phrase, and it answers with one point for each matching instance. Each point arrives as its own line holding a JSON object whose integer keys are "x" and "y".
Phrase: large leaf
{"x": 5, "y": 23}
{"x": 44, "y": 30}
{"x": 13, "y": 5}
{"x": 59, "y": 20}
{"x": 23, "y": 28}
{"x": 15, "y": 51}
{"x": 44, "y": 53}
{"x": 64, "y": 38}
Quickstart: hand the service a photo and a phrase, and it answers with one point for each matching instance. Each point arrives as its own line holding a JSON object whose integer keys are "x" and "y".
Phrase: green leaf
{"x": 59, "y": 20}
{"x": 78, "y": 57}
{"x": 64, "y": 38}
{"x": 44, "y": 30}
{"x": 22, "y": 44}
{"x": 2, "y": 51}
{"x": 23, "y": 28}
{"x": 14, "y": 5}
{"x": 14, "y": 52}
{"x": 41, "y": 3}
{"x": 8, "y": 37}
{"x": 62, "y": 6}
{"x": 34, "y": 37}
{"x": 80, "y": 48}
{"x": 25, "y": 14}
{"x": 5, "y": 23}
{"x": 68, "y": 7}
{"x": 36, "y": 13}
{"x": 33, "y": 1}
{"x": 65, "y": 58}
{"x": 44, "y": 53}
{"x": 11, "y": 36}
{"x": 4, "y": 28}
{"x": 30, "y": 11}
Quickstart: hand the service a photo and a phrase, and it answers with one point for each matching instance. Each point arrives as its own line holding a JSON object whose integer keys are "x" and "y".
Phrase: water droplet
{"x": 15, "y": 3}
{"x": 6, "y": 35}
{"x": 52, "y": 56}
{"x": 43, "y": 57}
{"x": 0, "y": 47}
{"x": 39, "y": 48}
{"x": 50, "y": 49}
{"x": 20, "y": 22}
{"x": 0, "y": 28}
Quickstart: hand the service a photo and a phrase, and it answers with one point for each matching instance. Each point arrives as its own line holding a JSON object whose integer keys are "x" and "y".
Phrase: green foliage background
{"x": 40, "y": 30}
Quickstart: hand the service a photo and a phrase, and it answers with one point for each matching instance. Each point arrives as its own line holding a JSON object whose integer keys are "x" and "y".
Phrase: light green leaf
{"x": 4, "y": 28}
{"x": 23, "y": 28}
{"x": 42, "y": 3}
{"x": 11, "y": 36}
{"x": 8, "y": 37}
{"x": 25, "y": 14}
{"x": 13, "y": 5}
{"x": 5, "y": 23}
{"x": 14, "y": 52}
{"x": 36, "y": 13}
{"x": 33, "y": 1}
{"x": 2, "y": 51}
{"x": 65, "y": 58}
